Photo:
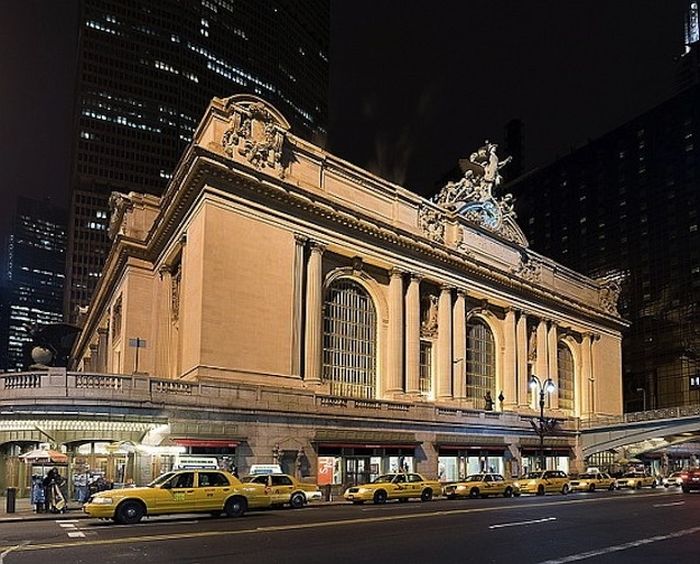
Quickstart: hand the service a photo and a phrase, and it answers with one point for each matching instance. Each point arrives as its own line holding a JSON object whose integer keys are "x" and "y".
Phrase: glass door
{"x": 357, "y": 470}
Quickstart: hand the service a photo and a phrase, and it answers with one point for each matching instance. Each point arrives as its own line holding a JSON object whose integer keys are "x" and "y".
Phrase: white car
{"x": 674, "y": 480}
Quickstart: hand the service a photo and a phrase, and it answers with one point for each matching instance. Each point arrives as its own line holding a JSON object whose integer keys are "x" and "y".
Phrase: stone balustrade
{"x": 56, "y": 387}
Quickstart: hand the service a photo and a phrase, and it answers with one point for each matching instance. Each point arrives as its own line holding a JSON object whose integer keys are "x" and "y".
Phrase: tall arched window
{"x": 481, "y": 360}
{"x": 565, "y": 363}
{"x": 350, "y": 340}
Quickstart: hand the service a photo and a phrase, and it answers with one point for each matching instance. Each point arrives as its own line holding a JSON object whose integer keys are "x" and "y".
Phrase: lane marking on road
{"x": 66, "y": 525}
{"x": 74, "y": 534}
{"x": 668, "y": 504}
{"x": 67, "y": 520}
{"x": 621, "y": 547}
{"x": 517, "y": 523}
{"x": 10, "y": 549}
{"x": 344, "y": 522}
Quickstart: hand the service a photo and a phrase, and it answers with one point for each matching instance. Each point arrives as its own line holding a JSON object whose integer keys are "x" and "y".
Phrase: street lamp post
{"x": 547, "y": 387}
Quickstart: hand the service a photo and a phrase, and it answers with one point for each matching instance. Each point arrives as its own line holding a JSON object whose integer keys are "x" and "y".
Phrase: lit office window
{"x": 350, "y": 341}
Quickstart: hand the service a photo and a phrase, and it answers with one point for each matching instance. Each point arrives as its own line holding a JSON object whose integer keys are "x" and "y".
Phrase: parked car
{"x": 591, "y": 482}
{"x": 636, "y": 480}
{"x": 183, "y": 491}
{"x": 540, "y": 483}
{"x": 675, "y": 479}
{"x": 481, "y": 485}
{"x": 394, "y": 486}
{"x": 691, "y": 480}
{"x": 285, "y": 489}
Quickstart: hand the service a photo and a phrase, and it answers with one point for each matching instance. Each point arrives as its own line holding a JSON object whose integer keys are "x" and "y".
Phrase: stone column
{"x": 522, "y": 372}
{"x": 163, "y": 337}
{"x": 444, "y": 344}
{"x": 459, "y": 346}
{"x": 583, "y": 399}
{"x": 413, "y": 335}
{"x": 102, "y": 344}
{"x": 541, "y": 362}
{"x": 582, "y": 385}
{"x": 297, "y": 303}
{"x": 394, "y": 380}
{"x": 510, "y": 384}
{"x": 93, "y": 358}
{"x": 314, "y": 314}
{"x": 553, "y": 361}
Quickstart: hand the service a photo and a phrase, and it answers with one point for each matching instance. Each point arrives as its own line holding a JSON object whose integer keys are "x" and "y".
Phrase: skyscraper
{"x": 146, "y": 71}
{"x": 32, "y": 290}
{"x": 625, "y": 207}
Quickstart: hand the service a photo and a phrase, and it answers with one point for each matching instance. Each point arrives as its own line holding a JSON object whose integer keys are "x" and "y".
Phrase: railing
{"x": 52, "y": 385}
{"x": 641, "y": 416}
{"x": 22, "y": 381}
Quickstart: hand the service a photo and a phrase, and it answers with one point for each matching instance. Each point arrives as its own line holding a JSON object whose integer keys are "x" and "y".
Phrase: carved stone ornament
{"x": 120, "y": 205}
{"x": 472, "y": 195}
{"x": 429, "y": 321}
{"x": 529, "y": 269}
{"x": 432, "y": 222}
{"x": 609, "y": 296}
{"x": 255, "y": 133}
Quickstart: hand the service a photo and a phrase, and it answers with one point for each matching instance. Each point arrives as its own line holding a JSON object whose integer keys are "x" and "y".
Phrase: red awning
{"x": 216, "y": 443}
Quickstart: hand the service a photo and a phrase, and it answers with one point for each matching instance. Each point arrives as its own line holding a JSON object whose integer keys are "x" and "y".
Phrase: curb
{"x": 78, "y": 514}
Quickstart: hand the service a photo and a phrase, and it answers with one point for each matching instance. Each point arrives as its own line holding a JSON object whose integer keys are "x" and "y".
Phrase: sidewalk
{"x": 25, "y": 512}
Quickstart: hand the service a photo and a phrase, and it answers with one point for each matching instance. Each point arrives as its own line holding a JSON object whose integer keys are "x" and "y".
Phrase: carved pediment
{"x": 257, "y": 132}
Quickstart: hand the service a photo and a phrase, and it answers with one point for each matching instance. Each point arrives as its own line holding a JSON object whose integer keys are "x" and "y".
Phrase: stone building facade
{"x": 357, "y": 326}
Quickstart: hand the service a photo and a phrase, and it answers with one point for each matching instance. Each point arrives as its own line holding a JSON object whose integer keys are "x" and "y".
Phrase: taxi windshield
{"x": 587, "y": 476}
{"x": 383, "y": 478}
{"x": 475, "y": 478}
{"x": 534, "y": 475}
{"x": 632, "y": 475}
{"x": 160, "y": 480}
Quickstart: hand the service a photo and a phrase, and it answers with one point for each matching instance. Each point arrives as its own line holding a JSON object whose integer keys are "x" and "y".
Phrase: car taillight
{"x": 684, "y": 476}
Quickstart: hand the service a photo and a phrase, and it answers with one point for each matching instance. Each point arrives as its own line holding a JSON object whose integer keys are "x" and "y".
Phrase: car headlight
{"x": 102, "y": 500}
{"x": 516, "y": 484}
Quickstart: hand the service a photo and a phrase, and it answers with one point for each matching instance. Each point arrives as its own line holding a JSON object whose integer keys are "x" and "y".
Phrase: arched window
{"x": 481, "y": 360}
{"x": 350, "y": 340}
{"x": 565, "y": 363}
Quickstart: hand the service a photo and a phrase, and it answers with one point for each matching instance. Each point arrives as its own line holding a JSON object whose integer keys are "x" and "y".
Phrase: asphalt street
{"x": 609, "y": 527}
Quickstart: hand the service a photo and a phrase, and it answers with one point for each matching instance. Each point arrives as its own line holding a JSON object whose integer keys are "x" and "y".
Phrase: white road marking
{"x": 517, "y": 523}
{"x": 6, "y": 552}
{"x": 67, "y": 520}
{"x": 66, "y": 525}
{"x": 621, "y": 547}
{"x": 73, "y": 534}
{"x": 668, "y": 504}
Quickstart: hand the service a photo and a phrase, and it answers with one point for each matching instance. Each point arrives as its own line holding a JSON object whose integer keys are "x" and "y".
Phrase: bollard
{"x": 11, "y": 494}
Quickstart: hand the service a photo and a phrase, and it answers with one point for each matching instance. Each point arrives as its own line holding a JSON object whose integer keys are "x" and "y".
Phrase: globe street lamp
{"x": 543, "y": 427}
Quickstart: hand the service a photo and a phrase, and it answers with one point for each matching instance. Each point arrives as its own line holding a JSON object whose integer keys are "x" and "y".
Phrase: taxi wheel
{"x": 653, "y": 485}
{"x": 611, "y": 487}
{"x": 297, "y": 501}
{"x": 540, "y": 490}
{"x": 426, "y": 494}
{"x": 639, "y": 485}
{"x": 235, "y": 506}
{"x": 380, "y": 497}
{"x": 565, "y": 489}
{"x": 508, "y": 492}
{"x": 591, "y": 488}
{"x": 474, "y": 492}
{"x": 129, "y": 512}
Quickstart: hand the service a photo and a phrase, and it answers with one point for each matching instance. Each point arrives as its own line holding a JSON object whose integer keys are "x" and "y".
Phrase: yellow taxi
{"x": 540, "y": 483}
{"x": 592, "y": 481}
{"x": 481, "y": 485}
{"x": 636, "y": 480}
{"x": 183, "y": 491}
{"x": 284, "y": 489}
{"x": 394, "y": 486}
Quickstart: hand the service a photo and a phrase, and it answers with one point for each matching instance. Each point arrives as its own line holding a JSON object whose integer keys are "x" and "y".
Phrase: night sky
{"x": 414, "y": 85}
